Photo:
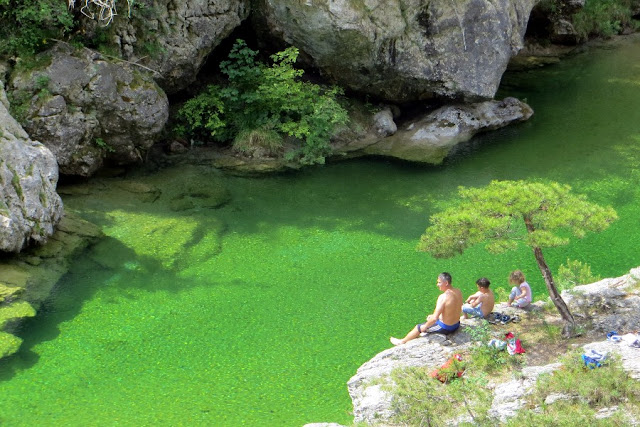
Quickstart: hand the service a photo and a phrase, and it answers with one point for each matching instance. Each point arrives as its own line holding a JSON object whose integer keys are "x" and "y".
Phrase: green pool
{"x": 258, "y": 313}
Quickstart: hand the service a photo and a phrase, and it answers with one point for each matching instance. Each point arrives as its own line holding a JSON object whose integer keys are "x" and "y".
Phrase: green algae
{"x": 8, "y": 293}
{"x": 9, "y": 343}
{"x": 14, "y": 311}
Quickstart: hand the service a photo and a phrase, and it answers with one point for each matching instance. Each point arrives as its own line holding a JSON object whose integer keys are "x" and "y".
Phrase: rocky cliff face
{"x": 85, "y": 108}
{"x": 404, "y": 50}
{"x": 29, "y": 205}
{"x": 174, "y": 38}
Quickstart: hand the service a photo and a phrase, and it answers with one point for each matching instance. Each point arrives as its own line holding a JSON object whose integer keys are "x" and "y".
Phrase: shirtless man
{"x": 446, "y": 316}
{"x": 481, "y": 303}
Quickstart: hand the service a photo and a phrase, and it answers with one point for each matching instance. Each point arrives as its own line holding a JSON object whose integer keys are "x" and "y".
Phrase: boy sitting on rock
{"x": 481, "y": 303}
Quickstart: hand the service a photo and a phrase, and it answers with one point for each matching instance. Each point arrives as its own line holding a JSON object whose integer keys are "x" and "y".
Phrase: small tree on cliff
{"x": 506, "y": 212}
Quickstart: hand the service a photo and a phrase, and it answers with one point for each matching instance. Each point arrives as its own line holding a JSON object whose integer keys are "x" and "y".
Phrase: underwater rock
{"x": 27, "y": 279}
{"x": 145, "y": 192}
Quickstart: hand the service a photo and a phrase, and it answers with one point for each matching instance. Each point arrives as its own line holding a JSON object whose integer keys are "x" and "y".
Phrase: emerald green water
{"x": 259, "y": 312}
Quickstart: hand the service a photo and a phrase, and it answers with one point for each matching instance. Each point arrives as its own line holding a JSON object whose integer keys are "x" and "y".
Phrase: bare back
{"x": 488, "y": 300}
{"x": 449, "y": 306}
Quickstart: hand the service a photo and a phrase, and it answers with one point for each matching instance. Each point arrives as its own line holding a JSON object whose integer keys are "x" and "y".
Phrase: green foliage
{"x": 26, "y": 26}
{"x": 501, "y": 294}
{"x": 603, "y": 18}
{"x": 589, "y": 390}
{"x": 574, "y": 273}
{"x": 15, "y": 182}
{"x": 420, "y": 400}
{"x": 42, "y": 86}
{"x": 203, "y": 114}
{"x": 486, "y": 358}
{"x": 19, "y": 104}
{"x": 102, "y": 144}
{"x": 496, "y": 214}
{"x": 258, "y": 142}
{"x": 552, "y": 332}
{"x": 266, "y": 98}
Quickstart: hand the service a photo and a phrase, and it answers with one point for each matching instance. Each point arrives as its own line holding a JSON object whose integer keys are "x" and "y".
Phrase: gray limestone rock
{"x": 430, "y": 139}
{"x": 373, "y": 404}
{"x": 30, "y": 208}
{"x": 403, "y": 50}
{"x": 173, "y": 38}
{"x": 384, "y": 124}
{"x": 508, "y": 398}
{"x": 611, "y": 304}
{"x": 85, "y": 108}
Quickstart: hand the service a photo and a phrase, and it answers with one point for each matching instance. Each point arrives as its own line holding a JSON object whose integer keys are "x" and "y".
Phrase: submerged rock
{"x": 27, "y": 280}
{"x": 30, "y": 208}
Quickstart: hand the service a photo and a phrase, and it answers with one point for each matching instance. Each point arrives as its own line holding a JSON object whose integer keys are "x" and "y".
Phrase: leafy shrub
{"x": 266, "y": 99}
{"x": 258, "y": 142}
{"x": 574, "y": 273}
{"x": 603, "y": 18}
{"x": 25, "y": 26}
{"x": 420, "y": 400}
{"x": 488, "y": 358}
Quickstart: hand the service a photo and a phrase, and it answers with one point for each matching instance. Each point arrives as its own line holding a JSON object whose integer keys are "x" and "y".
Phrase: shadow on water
{"x": 65, "y": 303}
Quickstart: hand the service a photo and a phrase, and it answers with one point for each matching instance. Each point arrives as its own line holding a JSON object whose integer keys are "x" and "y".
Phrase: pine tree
{"x": 507, "y": 212}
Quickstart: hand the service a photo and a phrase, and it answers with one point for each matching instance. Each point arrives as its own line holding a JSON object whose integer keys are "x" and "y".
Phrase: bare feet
{"x": 396, "y": 341}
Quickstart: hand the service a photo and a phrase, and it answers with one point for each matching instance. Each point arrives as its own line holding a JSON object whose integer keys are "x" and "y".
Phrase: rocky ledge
{"x": 27, "y": 280}
{"x": 604, "y": 306}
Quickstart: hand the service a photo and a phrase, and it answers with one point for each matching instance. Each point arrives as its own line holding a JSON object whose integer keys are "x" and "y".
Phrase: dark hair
{"x": 483, "y": 282}
{"x": 445, "y": 277}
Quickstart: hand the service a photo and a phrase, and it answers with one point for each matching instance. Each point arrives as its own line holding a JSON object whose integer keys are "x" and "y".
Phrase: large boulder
{"x": 172, "y": 38}
{"x": 430, "y": 138}
{"x": 30, "y": 208}
{"x": 610, "y": 304}
{"x": 404, "y": 50}
{"x": 85, "y": 108}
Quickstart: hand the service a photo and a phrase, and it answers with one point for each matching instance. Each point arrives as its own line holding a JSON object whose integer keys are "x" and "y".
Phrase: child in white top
{"x": 520, "y": 295}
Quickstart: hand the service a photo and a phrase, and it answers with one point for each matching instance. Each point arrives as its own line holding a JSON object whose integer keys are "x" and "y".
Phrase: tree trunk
{"x": 570, "y": 322}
